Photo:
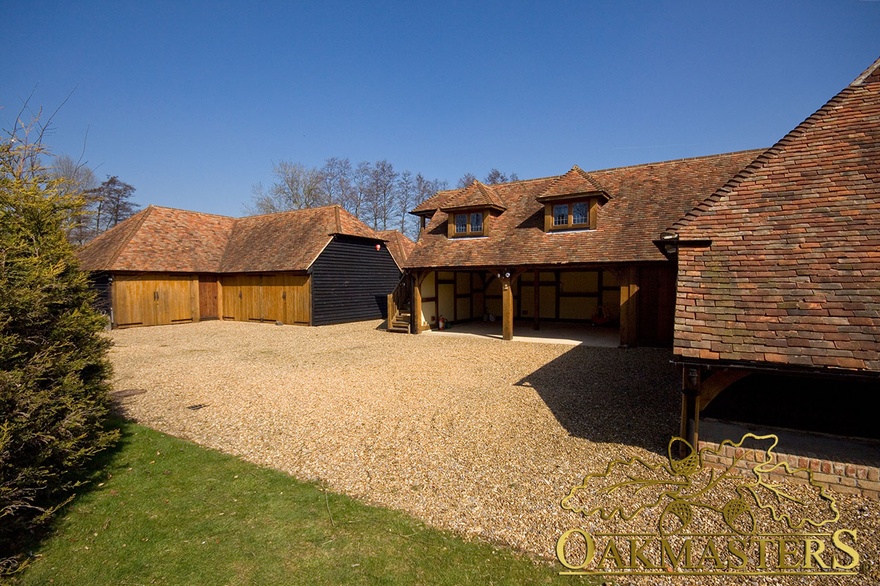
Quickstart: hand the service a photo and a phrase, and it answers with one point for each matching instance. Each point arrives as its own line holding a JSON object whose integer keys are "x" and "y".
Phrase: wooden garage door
{"x": 149, "y": 300}
{"x": 283, "y": 298}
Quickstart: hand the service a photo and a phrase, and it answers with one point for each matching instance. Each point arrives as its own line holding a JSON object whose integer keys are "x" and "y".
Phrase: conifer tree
{"x": 54, "y": 370}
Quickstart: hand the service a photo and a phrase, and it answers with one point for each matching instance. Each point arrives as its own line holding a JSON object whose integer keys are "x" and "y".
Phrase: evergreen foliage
{"x": 54, "y": 371}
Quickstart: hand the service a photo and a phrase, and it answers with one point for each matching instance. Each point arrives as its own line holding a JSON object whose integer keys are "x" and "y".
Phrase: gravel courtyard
{"x": 476, "y": 435}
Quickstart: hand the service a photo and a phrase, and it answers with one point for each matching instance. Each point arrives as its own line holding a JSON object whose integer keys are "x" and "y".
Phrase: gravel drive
{"x": 476, "y": 435}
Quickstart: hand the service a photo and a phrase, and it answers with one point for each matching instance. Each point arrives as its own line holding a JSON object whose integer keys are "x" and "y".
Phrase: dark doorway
{"x": 837, "y": 406}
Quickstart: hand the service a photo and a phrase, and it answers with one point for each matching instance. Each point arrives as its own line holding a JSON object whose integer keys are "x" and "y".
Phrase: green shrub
{"x": 54, "y": 399}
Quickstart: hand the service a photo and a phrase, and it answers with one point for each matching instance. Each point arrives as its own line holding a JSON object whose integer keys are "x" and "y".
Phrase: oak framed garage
{"x": 307, "y": 267}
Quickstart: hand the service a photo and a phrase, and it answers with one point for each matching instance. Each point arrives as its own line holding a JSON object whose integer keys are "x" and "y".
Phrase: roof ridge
{"x": 766, "y": 156}
{"x": 866, "y": 74}
{"x": 680, "y": 160}
{"x": 586, "y": 175}
{"x": 490, "y": 194}
{"x": 298, "y": 210}
{"x": 189, "y": 211}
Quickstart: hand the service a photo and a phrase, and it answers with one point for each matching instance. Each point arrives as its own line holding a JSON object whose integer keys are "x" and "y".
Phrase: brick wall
{"x": 842, "y": 478}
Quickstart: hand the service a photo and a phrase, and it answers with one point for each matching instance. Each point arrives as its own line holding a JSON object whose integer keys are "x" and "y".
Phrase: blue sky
{"x": 192, "y": 102}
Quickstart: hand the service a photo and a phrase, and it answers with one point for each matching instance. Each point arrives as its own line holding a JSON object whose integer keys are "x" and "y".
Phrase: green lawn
{"x": 166, "y": 511}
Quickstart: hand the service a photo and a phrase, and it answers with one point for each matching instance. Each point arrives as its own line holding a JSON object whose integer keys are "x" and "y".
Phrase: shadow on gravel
{"x": 612, "y": 395}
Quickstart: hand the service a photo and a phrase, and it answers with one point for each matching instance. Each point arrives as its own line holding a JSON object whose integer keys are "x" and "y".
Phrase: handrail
{"x": 400, "y": 297}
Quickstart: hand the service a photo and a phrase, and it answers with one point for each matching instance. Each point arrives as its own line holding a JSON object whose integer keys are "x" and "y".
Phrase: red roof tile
{"x": 170, "y": 240}
{"x": 475, "y": 195}
{"x": 574, "y": 182}
{"x": 287, "y": 241}
{"x": 398, "y": 245}
{"x": 792, "y": 275}
{"x": 644, "y": 199}
{"x": 161, "y": 240}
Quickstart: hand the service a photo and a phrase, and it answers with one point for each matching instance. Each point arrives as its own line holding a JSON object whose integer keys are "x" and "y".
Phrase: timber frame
{"x": 599, "y": 266}
{"x": 589, "y": 295}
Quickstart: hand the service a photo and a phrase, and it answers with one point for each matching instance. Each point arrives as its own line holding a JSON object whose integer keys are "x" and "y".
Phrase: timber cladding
{"x": 155, "y": 299}
{"x": 351, "y": 280}
{"x": 284, "y": 298}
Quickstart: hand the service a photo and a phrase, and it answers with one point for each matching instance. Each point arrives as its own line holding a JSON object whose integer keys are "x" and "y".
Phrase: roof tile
{"x": 162, "y": 239}
{"x": 796, "y": 238}
{"x": 643, "y": 200}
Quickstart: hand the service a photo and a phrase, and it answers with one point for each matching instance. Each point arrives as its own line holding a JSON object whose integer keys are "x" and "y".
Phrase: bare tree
{"x": 466, "y": 180}
{"x": 406, "y": 195}
{"x": 74, "y": 177}
{"x": 26, "y": 136}
{"x": 373, "y": 192}
{"x": 362, "y": 190}
{"x": 77, "y": 181}
{"x": 381, "y": 193}
{"x": 296, "y": 187}
{"x": 495, "y": 177}
{"x": 337, "y": 181}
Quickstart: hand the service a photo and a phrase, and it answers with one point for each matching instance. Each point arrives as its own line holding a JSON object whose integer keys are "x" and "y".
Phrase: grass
{"x": 166, "y": 511}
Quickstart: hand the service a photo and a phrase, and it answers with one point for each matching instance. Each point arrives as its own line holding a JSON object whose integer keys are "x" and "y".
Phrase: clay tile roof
{"x": 792, "y": 275}
{"x": 475, "y": 195}
{"x": 288, "y": 241}
{"x": 644, "y": 199}
{"x": 575, "y": 182}
{"x": 161, "y": 240}
{"x": 431, "y": 205}
{"x": 398, "y": 245}
{"x": 171, "y": 240}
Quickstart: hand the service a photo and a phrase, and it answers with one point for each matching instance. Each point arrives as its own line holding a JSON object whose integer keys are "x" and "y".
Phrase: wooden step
{"x": 400, "y": 323}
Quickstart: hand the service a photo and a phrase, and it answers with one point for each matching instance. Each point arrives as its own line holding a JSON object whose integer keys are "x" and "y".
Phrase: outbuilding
{"x": 314, "y": 266}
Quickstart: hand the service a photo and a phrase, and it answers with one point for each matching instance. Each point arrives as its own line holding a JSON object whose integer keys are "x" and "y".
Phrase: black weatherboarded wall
{"x": 351, "y": 281}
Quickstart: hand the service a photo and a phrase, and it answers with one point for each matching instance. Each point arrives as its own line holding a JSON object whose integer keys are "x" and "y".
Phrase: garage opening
{"x": 836, "y": 406}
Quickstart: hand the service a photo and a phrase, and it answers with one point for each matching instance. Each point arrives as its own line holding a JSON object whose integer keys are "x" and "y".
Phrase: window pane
{"x": 579, "y": 213}
{"x": 460, "y": 223}
{"x": 560, "y": 214}
{"x": 477, "y": 222}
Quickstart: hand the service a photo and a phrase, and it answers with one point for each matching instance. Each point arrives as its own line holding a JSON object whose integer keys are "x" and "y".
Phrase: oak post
{"x": 536, "y": 306}
{"x": 507, "y": 306}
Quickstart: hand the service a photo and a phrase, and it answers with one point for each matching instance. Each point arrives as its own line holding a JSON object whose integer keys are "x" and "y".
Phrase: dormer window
{"x": 471, "y": 211}
{"x": 571, "y": 215}
{"x": 468, "y": 224}
{"x": 477, "y": 222}
{"x": 572, "y": 202}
